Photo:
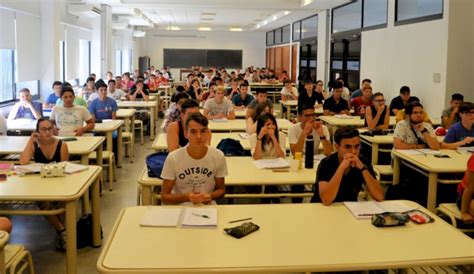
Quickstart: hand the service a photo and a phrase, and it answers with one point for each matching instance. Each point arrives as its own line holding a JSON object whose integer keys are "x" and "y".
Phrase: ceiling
{"x": 216, "y": 15}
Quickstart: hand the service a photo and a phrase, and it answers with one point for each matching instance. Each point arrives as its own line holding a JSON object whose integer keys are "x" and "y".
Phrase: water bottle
{"x": 309, "y": 151}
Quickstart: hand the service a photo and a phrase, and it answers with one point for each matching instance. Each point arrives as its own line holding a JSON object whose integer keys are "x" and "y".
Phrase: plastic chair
{"x": 128, "y": 139}
{"x": 14, "y": 258}
{"x": 138, "y": 125}
{"x": 108, "y": 161}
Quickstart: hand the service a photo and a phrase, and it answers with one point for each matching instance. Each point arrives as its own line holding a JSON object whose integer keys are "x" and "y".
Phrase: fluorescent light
{"x": 274, "y": 17}
{"x": 173, "y": 28}
{"x": 286, "y": 12}
{"x": 258, "y": 26}
{"x": 138, "y": 33}
{"x": 307, "y": 2}
{"x": 265, "y": 22}
{"x": 235, "y": 29}
{"x": 120, "y": 25}
{"x": 204, "y": 29}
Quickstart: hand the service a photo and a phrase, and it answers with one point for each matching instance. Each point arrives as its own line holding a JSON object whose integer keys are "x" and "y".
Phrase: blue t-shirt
{"x": 26, "y": 112}
{"x": 52, "y": 98}
{"x": 237, "y": 100}
{"x": 103, "y": 109}
{"x": 457, "y": 133}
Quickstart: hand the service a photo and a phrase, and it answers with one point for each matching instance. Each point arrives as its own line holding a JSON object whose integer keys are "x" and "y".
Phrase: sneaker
{"x": 61, "y": 241}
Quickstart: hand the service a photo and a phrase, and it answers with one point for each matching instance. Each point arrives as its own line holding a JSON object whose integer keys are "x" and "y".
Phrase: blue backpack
{"x": 155, "y": 163}
{"x": 231, "y": 147}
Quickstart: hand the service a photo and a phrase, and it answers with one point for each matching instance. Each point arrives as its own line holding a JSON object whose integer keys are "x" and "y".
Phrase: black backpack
{"x": 84, "y": 232}
{"x": 231, "y": 147}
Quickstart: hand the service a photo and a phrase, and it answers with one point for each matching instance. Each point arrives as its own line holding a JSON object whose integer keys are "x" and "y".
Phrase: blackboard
{"x": 185, "y": 58}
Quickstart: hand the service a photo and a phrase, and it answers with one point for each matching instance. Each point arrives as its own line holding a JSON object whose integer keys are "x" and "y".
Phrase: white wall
{"x": 323, "y": 46}
{"x": 408, "y": 55}
{"x": 460, "y": 68}
{"x": 251, "y": 43}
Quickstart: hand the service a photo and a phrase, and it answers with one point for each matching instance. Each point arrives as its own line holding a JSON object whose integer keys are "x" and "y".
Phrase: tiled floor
{"x": 39, "y": 237}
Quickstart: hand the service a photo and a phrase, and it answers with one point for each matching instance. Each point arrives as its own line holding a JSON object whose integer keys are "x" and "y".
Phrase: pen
{"x": 363, "y": 215}
{"x": 201, "y": 215}
{"x": 240, "y": 220}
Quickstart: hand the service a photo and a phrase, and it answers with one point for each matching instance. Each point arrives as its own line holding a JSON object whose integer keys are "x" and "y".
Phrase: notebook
{"x": 74, "y": 168}
{"x": 205, "y": 217}
{"x": 271, "y": 163}
{"x": 424, "y": 151}
{"x": 365, "y": 210}
{"x": 161, "y": 216}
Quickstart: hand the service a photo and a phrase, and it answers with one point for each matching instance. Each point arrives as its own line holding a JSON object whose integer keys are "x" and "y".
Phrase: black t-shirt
{"x": 397, "y": 103}
{"x": 305, "y": 99}
{"x": 139, "y": 94}
{"x": 331, "y": 105}
{"x": 134, "y": 87}
{"x": 351, "y": 183}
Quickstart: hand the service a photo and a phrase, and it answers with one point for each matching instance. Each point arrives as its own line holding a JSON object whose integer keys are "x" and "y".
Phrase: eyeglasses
{"x": 46, "y": 129}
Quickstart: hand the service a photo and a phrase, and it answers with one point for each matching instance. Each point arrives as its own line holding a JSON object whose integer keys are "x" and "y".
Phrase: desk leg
{"x": 96, "y": 240}
{"x": 288, "y": 113}
{"x": 146, "y": 195}
{"x": 71, "y": 245}
{"x": 396, "y": 170}
{"x": 126, "y": 120}
{"x": 432, "y": 190}
{"x": 85, "y": 198}
{"x": 85, "y": 159}
{"x": 375, "y": 154}
{"x": 109, "y": 141}
{"x": 119, "y": 147}
{"x": 152, "y": 123}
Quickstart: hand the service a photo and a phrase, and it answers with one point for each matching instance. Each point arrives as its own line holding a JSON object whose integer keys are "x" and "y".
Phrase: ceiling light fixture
{"x": 235, "y": 29}
{"x": 307, "y": 2}
{"x": 173, "y": 28}
{"x": 138, "y": 33}
{"x": 274, "y": 17}
{"x": 204, "y": 29}
{"x": 286, "y": 12}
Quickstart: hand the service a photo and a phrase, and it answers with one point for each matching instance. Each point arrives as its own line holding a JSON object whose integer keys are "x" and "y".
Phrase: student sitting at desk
{"x": 174, "y": 111}
{"x": 175, "y": 134}
{"x": 251, "y": 123}
{"x": 289, "y": 92}
{"x": 104, "y": 107}
{"x": 377, "y": 116}
{"x": 233, "y": 89}
{"x": 87, "y": 92}
{"x": 451, "y": 114}
{"x": 210, "y": 93}
{"x": 26, "y": 108}
{"x": 413, "y": 133}
{"x": 309, "y": 96}
{"x": 465, "y": 201}
{"x": 114, "y": 92}
{"x": 195, "y": 90}
{"x": 194, "y": 174}
{"x": 219, "y": 107}
{"x": 261, "y": 97}
{"x": 401, "y": 101}
{"x": 362, "y": 102}
{"x": 54, "y": 96}
{"x": 127, "y": 82}
{"x": 42, "y": 147}
{"x": 243, "y": 98}
{"x": 461, "y": 133}
{"x": 268, "y": 142}
{"x": 139, "y": 93}
{"x": 70, "y": 118}
{"x": 340, "y": 176}
{"x": 336, "y": 104}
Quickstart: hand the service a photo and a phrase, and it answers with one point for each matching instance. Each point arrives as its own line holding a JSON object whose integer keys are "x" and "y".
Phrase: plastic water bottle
{"x": 309, "y": 151}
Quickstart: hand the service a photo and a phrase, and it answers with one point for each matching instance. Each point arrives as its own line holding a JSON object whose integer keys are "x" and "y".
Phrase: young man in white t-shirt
{"x": 289, "y": 92}
{"x": 194, "y": 174}
{"x": 219, "y": 107}
{"x": 69, "y": 118}
{"x": 113, "y": 92}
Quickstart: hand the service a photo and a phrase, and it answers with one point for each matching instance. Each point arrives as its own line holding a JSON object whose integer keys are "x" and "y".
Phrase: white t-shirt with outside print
{"x": 191, "y": 174}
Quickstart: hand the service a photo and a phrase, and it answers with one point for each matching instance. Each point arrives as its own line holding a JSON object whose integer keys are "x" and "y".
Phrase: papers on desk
{"x": 319, "y": 157}
{"x": 365, "y": 210}
{"x": 466, "y": 149}
{"x": 244, "y": 135}
{"x": 271, "y": 163}
{"x": 221, "y": 120}
{"x": 343, "y": 116}
{"x": 201, "y": 217}
{"x": 70, "y": 168}
{"x": 424, "y": 151}
{"x": 161, "y": 216}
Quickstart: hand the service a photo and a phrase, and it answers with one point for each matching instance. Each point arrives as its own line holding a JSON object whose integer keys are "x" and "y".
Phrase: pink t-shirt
{"x": 470, "y": 168}
{"x": 129, "y": 85}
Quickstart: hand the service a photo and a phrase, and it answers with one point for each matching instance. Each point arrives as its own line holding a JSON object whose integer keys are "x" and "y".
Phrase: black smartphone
{"x": 442, "y": 156}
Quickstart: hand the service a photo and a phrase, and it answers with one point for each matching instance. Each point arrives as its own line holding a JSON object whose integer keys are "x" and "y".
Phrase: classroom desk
{"x": 83, "y": 146}
{"x": 240, "y": 125}
{"x": 376, "y": 141}
{"x": 289, "y": 105}
{"x": 108, "y": 127}
{"x": 26, "y": 125}
{"x": 431, "y": 167}
{"x": 69, "y": 190}
{"x": 302, "y": 238}
{"x": 349, "y": 121}
{"x": 160, "y": 143}
{"x": 128, "y": 115}
{"x": 242, "y": 172}
{"x": 239, "y": 113}
{"x": 151, "y": 105}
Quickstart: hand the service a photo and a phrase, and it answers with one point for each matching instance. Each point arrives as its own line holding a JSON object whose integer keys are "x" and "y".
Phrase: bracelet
{"x": 424, "y": 131}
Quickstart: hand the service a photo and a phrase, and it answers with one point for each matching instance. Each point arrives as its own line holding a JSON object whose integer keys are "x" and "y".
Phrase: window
{"x": 285, "y": 37}
{"x": 410, "y": 11}
{"x": 118, "y": 62}
{"x": 84, "y": 60}
{"x": 347, "y": 17}
{"x": 270, "y": 37}
{"x": 32, "y": 86}
{"x": 125, "y": 61}
{"x": 278, "y": 36}
{"x": 375, "y": 13}
{"x": 62, "y": 60}
{"x": 309, "y": 27}
{"x": 297, "y": 31}
{"x": 6, "y": 75}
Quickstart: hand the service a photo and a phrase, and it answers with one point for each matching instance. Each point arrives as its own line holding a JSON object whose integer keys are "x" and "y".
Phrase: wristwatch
{"x": 364, "y": 168}
{"x": 322, "y": 137}
{"x": 424, "y": 130}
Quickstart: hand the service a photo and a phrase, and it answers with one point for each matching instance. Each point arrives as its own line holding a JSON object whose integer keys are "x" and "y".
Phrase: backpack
{"x": 84, "y": 232}
{"x": 231, "y": 147}
{"x": 155, "y": 163}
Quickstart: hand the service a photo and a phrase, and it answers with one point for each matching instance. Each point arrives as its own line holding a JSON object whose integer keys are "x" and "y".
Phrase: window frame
{"x": 7, "y": 102}
{"x": 293, "y": 31}
{"x": 301, "y": 27}
{"x": 378, "y": 26}
{"x": 273, "y": 38}
{"x": 362, "y": 28}
{"x": 418, "y": 19}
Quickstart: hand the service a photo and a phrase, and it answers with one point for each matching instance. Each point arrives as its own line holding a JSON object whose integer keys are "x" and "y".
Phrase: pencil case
{"x": 388, "y": 219}
{"x": 242, "y": 230}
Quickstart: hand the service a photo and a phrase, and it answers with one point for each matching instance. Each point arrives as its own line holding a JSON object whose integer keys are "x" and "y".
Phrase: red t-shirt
{"x": 470, "y": 168}
{"x": 359, "y": 105}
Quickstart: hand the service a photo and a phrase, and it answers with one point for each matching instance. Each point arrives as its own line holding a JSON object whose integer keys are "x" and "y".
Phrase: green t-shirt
{"x": 78, "y": 101}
